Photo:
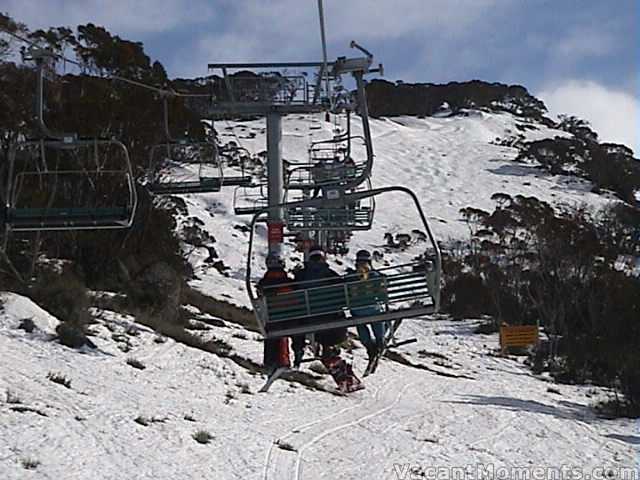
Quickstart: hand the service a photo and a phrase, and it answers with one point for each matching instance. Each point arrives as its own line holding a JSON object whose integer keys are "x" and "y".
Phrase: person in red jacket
{"x": 276, "y": 350}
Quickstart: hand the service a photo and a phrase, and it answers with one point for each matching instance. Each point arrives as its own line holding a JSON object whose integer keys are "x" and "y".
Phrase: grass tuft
{"x": 135, "y": 363}
{"x": 30, "y": 463}
{"x": 59, "y": 379}
{"x": 202, "y": 436}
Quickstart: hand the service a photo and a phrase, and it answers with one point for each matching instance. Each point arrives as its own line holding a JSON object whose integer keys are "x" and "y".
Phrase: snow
{"x": 17, "y": 308}
{"x": 458, "y": 405}
{"x": 450, "y": 163}
{"x": 448, "y": 401}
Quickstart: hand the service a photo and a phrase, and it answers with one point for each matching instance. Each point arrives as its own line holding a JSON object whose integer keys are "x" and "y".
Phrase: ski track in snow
{"x": 316, "y": 439}
{"x": 296, "y": 431}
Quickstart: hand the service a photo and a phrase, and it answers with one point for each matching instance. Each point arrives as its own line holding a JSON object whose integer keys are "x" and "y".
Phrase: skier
{"x": 364, "y": 271}
{"x": 276, "y": 350}
{"x": 320, "y": 274}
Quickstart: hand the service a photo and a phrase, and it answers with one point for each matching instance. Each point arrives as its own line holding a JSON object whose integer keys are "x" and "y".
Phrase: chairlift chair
{"x": 335, "y": 210}
{"x": 332, "y": 162}
{"x": 249, "y": 200}
{"x": 61, "y": 182}
{"x": 171, "y": 161}
{"x": 171, "y": 164}
{"x": 85, "y": 190}
{"x": 403, "y": 291}
{"x": 242, "y": 180}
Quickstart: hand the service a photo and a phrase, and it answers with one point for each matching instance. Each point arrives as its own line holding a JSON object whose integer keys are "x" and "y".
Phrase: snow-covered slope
{"x": 450, "y": 163}
{"x": 445, "y": 402}
{"x": 450, "y": 404}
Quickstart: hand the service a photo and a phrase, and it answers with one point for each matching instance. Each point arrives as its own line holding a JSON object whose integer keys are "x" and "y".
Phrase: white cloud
{"x": 585, "y": 42}
{"x": 613, "y": 114}
{"x": 288, "y": 30}
{"x": 119, "y": 16}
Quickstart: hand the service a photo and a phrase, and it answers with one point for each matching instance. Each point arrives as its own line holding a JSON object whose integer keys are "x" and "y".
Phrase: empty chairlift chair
{"x": 179, "y": 166}
{"x": 61, "y": 182}
{"x": 70, "y": 184}
{"x": 334, "y": 211}
{"x": 249, "y": 200}
{"x": 184, "y": 166}
{"x": 236, "y": 157}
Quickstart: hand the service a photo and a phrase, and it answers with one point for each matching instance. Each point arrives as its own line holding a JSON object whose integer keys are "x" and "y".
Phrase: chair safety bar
{"x": 400, "y": 292}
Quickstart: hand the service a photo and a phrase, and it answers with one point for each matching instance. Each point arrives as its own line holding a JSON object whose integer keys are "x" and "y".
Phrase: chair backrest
{"x": 368, "y": 293}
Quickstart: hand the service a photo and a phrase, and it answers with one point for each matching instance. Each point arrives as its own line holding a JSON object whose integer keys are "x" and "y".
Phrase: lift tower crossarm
{"x": 266, "y": 65}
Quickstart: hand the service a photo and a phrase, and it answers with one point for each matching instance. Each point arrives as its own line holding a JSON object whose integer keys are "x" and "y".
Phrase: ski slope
{"x": 455, "y": 404}
{"x": 450, "y": 163}
{"x": 445, "y": 402}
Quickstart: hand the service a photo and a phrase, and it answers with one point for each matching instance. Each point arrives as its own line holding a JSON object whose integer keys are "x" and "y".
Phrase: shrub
{"x": 70, "y": 335}
{"x": 558, "y": 267}
{"x": 135, "y": 363}
{"x": 228, "y": 396}
{"x": 30, "y": 463}
{"x": 244, "y": 387}
{"x": 202, "y": 436}
{"x": 144, "y": 421}
{"x": 27, "y": 325}
{"x": 65, "y": 296}
{"x": 467, "y": 296}
{"x": 59, "y": 379}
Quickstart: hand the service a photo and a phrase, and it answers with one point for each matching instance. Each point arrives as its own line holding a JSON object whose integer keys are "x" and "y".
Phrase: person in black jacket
{"x": 317, "y": 273}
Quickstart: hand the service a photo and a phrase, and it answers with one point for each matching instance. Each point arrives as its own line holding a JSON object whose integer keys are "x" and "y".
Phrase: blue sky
{"x": 580, "y": 56}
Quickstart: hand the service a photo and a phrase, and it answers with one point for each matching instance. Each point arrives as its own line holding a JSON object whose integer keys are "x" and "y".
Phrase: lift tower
{"x": 271, "y": 90}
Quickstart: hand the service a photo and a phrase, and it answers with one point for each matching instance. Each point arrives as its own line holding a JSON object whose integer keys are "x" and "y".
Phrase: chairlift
{"x": 334, "y": 211}
{"x": 249, "y": 200}
{"x": 265, "y": 86}
{"x": 235, "y": 156}
{"x": 403, "y": 291}
{"x": 171, "y": 164}
{"x": 67, "y": 198}
{"x": 62, "y": 182}
{"x": 332, "y": 162}
{"x": 336, "y": 241}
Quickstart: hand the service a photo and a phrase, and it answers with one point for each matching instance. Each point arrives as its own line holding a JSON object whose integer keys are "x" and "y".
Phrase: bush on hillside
{"x": 65, "y": 296}
{"x": 558, "y": 267}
